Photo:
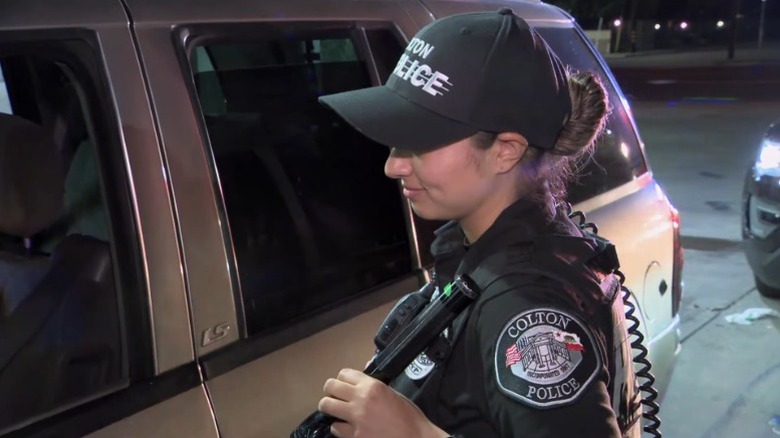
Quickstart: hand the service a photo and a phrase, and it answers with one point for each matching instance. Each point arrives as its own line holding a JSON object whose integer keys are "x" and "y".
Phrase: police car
{"x": 190, "y": 244}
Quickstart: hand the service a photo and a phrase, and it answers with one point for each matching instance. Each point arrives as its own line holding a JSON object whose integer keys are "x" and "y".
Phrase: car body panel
{"x": 42, "y": 14}
{"x": 157, "y": 230}
{"x": 203, "y": 11}
{"x": 272, "y": 395}
{"x": 636, "y": 221}
{"x": 211, "y": 293}
{"x": 188, "y": 414}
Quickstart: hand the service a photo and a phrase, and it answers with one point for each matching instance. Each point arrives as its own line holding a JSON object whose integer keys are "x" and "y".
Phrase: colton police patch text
{"x": 545, "y": 358}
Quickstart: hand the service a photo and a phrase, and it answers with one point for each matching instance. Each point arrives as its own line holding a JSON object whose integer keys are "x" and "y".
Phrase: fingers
{"x": 345, "y": 399}
{"x": 351, "y": 376}
{"x": 341, "y": 429}
{"x": 339, "y": 389}
{"x": 335, "y": 408}
{"x": 351, "y": 384}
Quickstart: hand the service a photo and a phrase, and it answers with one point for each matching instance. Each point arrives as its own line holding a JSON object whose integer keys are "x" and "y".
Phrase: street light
{"x": 684, "y": 25}
{"x": 657, "y": 26}
{"x": 761, "y": 24}
{"x": 720, "y": 24}
{"x": 618, "y": 24}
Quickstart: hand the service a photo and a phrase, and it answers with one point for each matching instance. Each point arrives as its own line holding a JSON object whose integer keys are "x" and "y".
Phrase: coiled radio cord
{"x": 645, "y": 378}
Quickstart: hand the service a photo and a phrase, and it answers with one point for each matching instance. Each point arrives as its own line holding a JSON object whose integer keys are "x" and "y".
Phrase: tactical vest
{"x": 580, "y": 266}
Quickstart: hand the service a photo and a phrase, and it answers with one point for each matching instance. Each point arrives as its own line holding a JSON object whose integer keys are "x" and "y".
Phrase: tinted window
{"x": 60, "y": 322}
{"x": 618, "y": 157}
{"x": 312, "y": 218}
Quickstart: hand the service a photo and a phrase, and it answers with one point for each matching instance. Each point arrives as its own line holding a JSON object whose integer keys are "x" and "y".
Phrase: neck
{"x": 475, "y": 225}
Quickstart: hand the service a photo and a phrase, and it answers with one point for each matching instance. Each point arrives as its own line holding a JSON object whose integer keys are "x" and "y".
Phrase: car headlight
{"x": 768, "y": 162}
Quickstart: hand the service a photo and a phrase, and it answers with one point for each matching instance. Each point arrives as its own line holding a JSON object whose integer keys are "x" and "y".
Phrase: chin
{"x": 430, "y": 214}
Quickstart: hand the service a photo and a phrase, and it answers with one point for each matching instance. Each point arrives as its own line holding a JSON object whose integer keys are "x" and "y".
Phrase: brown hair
{"x": 546, "y": 172}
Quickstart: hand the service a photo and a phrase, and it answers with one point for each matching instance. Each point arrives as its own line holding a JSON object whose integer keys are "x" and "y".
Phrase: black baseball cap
{"x": 462, "y": 74}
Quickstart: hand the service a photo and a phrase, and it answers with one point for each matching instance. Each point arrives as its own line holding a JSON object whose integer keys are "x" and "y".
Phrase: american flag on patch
{"x": 513, "y": 355}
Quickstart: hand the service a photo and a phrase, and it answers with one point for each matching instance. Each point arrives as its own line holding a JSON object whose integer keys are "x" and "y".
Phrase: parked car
{"x": 761, "y": 214}
{"x": 190, "y": 244}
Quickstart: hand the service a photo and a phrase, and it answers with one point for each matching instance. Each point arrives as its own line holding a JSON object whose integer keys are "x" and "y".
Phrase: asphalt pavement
{"x": 744, "y": 55}
{"x": 753, "y": 74}
{"x": 700, "y": 142}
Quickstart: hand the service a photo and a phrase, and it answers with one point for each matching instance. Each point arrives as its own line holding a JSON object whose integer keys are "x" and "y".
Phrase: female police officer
{"x": 484, "y": 125}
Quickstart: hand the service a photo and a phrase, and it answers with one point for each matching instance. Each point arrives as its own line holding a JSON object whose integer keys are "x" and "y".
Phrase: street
{"x": 700, "y": 141}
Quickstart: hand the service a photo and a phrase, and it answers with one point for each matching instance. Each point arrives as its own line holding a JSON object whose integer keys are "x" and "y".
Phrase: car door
{"x": 110, "y": 351}
{"x": 295, "y": 244}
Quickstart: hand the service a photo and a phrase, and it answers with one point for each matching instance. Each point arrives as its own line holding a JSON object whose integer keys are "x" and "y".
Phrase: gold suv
{"x": 190, "y": 244}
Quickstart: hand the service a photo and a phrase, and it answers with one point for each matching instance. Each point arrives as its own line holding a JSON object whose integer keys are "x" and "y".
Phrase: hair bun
{"x": 590, "y": 107}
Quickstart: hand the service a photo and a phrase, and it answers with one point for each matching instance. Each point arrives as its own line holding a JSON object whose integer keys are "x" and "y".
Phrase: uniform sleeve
{"x": 542, "y": 367}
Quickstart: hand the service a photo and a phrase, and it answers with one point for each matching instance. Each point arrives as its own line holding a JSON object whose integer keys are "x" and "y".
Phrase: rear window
{"x": 618, "y": 158}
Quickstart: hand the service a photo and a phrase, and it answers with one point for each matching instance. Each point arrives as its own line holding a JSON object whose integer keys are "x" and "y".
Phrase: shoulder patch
{"x": 545, "y": 358}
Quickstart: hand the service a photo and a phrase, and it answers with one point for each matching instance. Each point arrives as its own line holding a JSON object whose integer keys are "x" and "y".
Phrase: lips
{"x": 412, "y": 192}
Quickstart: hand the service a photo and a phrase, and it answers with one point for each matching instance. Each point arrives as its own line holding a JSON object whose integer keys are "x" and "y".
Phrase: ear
{"x": 509, "y": 147}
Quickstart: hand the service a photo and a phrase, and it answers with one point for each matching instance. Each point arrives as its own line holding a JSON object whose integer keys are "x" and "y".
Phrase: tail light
{"x": 677, "y": 265}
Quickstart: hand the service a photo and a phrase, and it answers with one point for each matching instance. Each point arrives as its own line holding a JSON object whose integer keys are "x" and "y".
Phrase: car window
{"x": 5, "y": 105}
{"x": 312, "y": 219}
{"x": 387, "y": 50}
{"x": 618, "y": 157}
{"x": 62, "y": 335}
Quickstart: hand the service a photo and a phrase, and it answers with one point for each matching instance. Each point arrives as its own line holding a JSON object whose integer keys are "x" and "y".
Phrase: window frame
{"x": 187, "y": 37}
{"x": 77, "y": 51}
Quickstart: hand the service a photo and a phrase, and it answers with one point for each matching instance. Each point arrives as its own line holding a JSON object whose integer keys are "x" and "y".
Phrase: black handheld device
{"x": 410, "y": 341}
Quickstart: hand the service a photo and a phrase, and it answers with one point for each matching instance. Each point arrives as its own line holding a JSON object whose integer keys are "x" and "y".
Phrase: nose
{"x": 398, "y": 164}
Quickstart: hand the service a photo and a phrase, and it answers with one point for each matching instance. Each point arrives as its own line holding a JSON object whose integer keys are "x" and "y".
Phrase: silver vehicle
{"x": 190, "y": 244}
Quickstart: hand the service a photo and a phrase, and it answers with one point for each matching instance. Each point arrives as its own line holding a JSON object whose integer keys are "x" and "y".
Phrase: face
{"x": 451, "y": 182}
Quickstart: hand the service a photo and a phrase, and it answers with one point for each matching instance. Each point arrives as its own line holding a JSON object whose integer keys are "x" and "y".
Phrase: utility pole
{"x": 633, "y": 36}
{"x": 733, "y": 27}
{"x": 598, "y": 36}
{"x": 761, "y": 24}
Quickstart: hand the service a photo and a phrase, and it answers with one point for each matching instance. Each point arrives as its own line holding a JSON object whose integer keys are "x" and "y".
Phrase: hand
{"x": 370, "y": 409}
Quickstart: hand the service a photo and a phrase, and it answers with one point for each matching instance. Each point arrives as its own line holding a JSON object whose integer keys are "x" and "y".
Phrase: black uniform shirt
{"x": 528, "y": 359}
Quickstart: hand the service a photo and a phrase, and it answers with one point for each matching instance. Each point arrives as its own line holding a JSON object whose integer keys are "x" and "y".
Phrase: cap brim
{"x": 384, "y": 116}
